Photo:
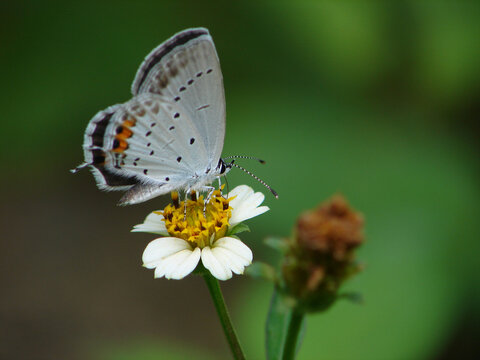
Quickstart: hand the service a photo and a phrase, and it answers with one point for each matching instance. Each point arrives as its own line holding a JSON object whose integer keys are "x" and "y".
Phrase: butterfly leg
{"x": 185, "y": 204}
{"x": 220, "y": 185}
{"x": 210, "y": 190}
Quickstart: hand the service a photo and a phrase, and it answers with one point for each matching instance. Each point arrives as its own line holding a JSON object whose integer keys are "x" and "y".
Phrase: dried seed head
{"x": 333, "y": 228}
{"x": 321, "y": 255}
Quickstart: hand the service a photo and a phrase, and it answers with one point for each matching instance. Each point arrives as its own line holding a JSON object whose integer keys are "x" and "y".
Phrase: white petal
{"x": 216, "y": 267}
{"x": 169, "y": 264}
{"x": 153, "y": 223}
{"x": 188, "y": 265}
{"x": 225, "y": 257}
{"x": 237, "y": 248}
{"x": 251, "y": 201}
{"x": 161, "y": 248}
{"x": 246, "y": 204}
{"x": 240, "y": 192}
{"x": 178, "y": 265}
{"x": 246, "y": 213}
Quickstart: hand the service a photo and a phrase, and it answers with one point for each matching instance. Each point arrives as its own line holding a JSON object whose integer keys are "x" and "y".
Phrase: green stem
{"x": 216, "y": 293}
{"x": 292, "y": 334}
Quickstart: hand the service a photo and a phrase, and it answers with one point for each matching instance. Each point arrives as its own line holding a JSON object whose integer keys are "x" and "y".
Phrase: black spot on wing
{"x": 203, "y": 107}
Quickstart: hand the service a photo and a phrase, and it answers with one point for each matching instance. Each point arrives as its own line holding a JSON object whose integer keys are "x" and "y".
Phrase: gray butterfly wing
{"x": 147, "y": 145}
{"x": 185, "y": 69}
{"x": 170, "y": 135}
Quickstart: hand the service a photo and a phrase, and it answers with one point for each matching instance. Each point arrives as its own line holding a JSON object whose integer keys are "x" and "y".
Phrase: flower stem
{"x": 293, "y": 331}
{"x": 219, "y": 302}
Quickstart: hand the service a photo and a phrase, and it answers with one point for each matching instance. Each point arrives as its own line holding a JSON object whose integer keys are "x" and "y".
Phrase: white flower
{"x": 153, "y": 224}
{"x": 191, "y": 238}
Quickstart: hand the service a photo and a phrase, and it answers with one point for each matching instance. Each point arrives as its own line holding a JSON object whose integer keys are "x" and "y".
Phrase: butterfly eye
{"x": 221, "y": 166}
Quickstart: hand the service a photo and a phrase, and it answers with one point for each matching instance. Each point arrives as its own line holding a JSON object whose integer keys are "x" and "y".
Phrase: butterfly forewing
{"x": 186, "y": 70}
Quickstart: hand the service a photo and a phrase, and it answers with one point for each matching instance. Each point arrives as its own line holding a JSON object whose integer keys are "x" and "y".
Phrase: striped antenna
{"x": 256, "y": 178}
{"x": 245, "y": 157}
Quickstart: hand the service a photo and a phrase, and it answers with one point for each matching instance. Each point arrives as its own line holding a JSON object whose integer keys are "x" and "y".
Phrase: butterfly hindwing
{"x": 98, "y": 158}
{"x": 147, "y": 140}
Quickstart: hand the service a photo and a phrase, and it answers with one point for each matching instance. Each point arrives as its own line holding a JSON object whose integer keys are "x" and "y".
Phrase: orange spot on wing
{"x": 130, "y": 122}
{"x": 125, "y": 134}
{"x": 120, "y": 145}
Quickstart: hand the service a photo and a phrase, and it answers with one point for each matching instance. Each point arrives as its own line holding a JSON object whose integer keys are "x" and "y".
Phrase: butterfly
{"x": 169, "y": 136}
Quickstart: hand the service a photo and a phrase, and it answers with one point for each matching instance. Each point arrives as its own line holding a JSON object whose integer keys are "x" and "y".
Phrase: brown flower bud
{"x": 321, "y": 255}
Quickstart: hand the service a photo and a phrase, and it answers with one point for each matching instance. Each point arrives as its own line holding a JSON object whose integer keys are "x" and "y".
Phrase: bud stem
{"x": 294, "y": 326}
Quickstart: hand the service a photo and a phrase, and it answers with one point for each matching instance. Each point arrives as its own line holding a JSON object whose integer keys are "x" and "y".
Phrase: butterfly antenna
{"x": 245, "y": 157}
{"x": 256, "y": 178}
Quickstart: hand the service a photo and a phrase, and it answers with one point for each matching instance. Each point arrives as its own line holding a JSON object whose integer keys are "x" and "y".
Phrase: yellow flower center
{"x": 199, "y": 225}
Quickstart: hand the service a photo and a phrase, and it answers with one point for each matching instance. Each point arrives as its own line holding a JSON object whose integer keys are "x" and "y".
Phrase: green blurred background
{"x": 377, "y": 100}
